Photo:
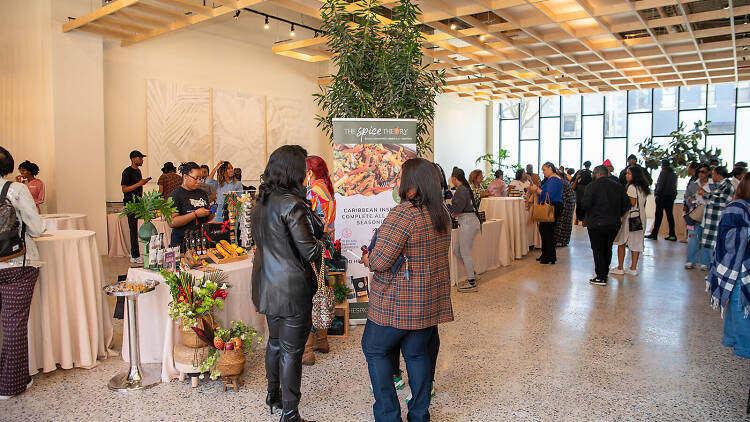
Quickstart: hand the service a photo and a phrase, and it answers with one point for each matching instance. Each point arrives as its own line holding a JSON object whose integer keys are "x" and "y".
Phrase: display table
{"x": 65, "y": 221}
{"x": 69, "y": 323}
{"x": 158, "y": 333}
{"x": 490, "y": 250}
{"x": 513, "y": 212}
{"x": 118, "y": 234}
{"x": 680, "y": 227}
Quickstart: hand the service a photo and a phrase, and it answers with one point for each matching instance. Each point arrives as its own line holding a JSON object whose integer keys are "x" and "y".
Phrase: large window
{"x": 575, "y": 128}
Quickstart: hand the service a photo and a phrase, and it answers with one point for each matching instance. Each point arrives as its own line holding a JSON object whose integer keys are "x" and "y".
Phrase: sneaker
{"x": 468, "y": 286}
{"x": 651, "y": 237}
{"x": 432, "y": 393}
{"x": 616, "y": 271}
{"x": 398, "y": 380}
{"x": 598, "y": 281}
{"x": 630, "y": 271}
{"x": 138, "y": 260}
{"x": 689, "y": 265}
{"x": 704, "y": 267}
{"x": 671, "y": 238}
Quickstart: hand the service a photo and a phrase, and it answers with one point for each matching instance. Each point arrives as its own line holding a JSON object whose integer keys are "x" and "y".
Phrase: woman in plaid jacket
{"x": 716, "y": 200}
{"x": 408, "y": 301}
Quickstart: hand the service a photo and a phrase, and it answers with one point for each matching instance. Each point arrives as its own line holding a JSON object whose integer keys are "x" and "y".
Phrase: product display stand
{"x": 135, "y": 378}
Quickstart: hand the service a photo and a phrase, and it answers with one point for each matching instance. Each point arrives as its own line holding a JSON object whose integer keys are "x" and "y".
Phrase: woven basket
{"x": 189, "y": 359}
{"x": 190, "y": 339}
{"x": 230, "y": 362}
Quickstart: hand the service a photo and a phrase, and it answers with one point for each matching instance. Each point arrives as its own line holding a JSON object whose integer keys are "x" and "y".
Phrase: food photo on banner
{"x": 368, "y": 154}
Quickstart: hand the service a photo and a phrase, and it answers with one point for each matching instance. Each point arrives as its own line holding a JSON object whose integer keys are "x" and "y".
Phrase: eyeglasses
{"x": 194, "y": 178}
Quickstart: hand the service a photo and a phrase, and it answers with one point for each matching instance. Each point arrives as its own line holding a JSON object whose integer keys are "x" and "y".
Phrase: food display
{"x": 126, "y": 288}
{"x": 225, "y": 252}
{"x": 369, "y": 169}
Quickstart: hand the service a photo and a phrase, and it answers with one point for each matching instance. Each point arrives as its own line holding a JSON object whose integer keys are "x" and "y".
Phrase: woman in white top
{"x": 17, "y": 286}
{"x": 637, "y": 191}
{"x": 696, "y": 253}
{"x": 518, "y": 185}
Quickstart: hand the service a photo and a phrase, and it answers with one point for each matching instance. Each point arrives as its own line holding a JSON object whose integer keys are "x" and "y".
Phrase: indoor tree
{"x": 380, "y": 71}
{"x": 684, "y": 148}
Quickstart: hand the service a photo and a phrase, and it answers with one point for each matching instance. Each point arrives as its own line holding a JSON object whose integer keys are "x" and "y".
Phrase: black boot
{"x": 292, "y": 416}
{"x": 273, "y": 400}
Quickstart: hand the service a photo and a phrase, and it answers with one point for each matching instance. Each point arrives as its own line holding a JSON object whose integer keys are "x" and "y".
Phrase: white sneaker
{"x": 689, "y": 265}
{"x": 138, "y": 260}
{"x": 630, "y": 271}
{"x": 704, "y": 267}
{"x": 616, "y": 271}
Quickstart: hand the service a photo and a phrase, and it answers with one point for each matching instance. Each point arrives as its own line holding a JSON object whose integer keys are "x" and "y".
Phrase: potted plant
{"x": 227, "y": 348}
{"x": 194, "y": 301}
{"x": 340, "y": 292}
{"x": 146, "y": 208}
{"x": 684, "y": 148}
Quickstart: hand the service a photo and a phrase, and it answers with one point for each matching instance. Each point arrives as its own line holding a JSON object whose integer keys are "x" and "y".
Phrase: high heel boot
{"x": 292, "y": 416}
{"x": 308, "y": 356}
{"x": 273, "y": 400}
{"x": 321, "y": 341}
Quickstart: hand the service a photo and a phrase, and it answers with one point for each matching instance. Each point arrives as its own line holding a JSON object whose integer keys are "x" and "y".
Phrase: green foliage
{"x": 380, "y": 71}
{"x": 684, "y": 148}
{"x": 194, "y": 297}
{"x": 496, "y": 163}
{"x": 239, "y": 329}
{"x": 340, "y": 292}
{"x": 146, "y": 207}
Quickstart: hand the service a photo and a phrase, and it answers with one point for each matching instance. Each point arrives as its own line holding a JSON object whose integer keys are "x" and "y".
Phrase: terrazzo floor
{"x": 536, "y": 343}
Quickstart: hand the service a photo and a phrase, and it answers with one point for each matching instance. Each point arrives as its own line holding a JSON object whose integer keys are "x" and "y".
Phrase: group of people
{"x": 198, "y": 194}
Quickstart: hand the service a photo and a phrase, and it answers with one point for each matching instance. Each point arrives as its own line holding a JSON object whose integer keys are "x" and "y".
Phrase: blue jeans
{"x": 694, "y": 249}
{"x": 736, "y": 326}
{"x": 377, "y": 344}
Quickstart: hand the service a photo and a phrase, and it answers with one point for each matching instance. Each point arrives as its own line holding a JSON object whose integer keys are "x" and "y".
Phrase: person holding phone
{"x": 191, "y": 203}
{"x": 132, "y": 188}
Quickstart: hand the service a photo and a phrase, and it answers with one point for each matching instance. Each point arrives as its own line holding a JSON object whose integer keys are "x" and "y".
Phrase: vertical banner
{"x": 368, "y": 154}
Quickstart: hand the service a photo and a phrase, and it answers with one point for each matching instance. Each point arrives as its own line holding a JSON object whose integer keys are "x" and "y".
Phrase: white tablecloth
{"x": 513, "y": 211}
{"x": 490, "y": 250}
{"x": 65, "y": 221}
{"x": 70, "y": 322}
{"x": 158, "y": 333}
{"x": 118, "y": 234}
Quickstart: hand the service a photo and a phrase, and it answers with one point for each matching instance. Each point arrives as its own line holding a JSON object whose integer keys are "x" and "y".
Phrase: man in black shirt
{"x": 581, "y": 179}
{"x": 132, "y": 188}
{"x": 605, "y": 202}
{"x": 191, "y": 202}
{"x": 633, "y": 162}
{"x": 664, "y": 195}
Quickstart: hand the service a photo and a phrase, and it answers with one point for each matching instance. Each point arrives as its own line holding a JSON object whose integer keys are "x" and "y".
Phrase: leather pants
{"x": 286, "y": 343}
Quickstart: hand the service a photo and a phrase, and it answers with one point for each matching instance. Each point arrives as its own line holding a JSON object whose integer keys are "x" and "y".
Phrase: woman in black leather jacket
{"x": 287, "y": 235}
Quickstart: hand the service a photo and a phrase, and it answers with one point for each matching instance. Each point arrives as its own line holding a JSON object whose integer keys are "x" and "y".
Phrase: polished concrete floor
{"x": 536, "y": 343}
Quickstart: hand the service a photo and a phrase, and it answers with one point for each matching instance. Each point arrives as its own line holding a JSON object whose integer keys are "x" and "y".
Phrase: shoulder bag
{"x": 543, "y": 212}
{"x": 634, "y": 223}
{"x": 323, "y": 301}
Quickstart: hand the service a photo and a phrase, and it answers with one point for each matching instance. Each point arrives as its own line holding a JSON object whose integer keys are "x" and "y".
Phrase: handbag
{"x": 323, "y": 301}
{"x": 544, "y": 212}
{"x": 696, "y": 214}
{"x": 634, "y": 223}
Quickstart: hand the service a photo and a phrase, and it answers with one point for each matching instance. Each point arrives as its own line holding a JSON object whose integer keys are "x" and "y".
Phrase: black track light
{"x": 266, "y": 25}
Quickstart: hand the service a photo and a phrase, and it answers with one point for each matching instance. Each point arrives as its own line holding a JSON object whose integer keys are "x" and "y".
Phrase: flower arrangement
{"x": 193, "y": 297}
{"x": 239, "y": 336}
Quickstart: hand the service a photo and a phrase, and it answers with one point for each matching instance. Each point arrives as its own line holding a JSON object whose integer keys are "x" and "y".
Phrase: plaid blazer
{"x": 716, "y": 201}
{"x": 424, "y": 300}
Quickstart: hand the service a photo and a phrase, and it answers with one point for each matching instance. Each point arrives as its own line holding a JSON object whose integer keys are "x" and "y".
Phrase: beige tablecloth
{"x": 118, "y": 234}
{"x": 513, "y": 212}
{"x": 490, "y": 250}
{"x": 680, "y": 227}
{"x": 158, "y": 333}
{"x": 70, "y": 323}
{"x": 65, "y": 221}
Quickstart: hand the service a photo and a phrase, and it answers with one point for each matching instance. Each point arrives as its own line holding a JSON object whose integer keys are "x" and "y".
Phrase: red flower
{"x": 219, "y": 292}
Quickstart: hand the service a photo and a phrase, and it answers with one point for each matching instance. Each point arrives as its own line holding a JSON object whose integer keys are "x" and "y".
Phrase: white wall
{"x": 460, "y": 132}
{"x": 222, "y": 53}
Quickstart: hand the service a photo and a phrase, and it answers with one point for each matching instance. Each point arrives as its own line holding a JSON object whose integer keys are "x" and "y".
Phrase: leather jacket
{"x": 286, "y": 233}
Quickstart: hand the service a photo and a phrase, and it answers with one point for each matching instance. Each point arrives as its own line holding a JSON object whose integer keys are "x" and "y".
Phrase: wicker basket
{"x": 190, "y": 339}
{"x": 189, "y": 359}
{"x": 230, "y": 362}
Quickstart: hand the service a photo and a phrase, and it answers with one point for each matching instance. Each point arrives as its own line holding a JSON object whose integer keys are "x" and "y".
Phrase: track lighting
{"x": 316, "y": 34}
{"x": 292, "y": 33}
{"x": 453, "y": 26}
{"x": 266, "y": 25}
{"x": 237, "y": 14}
{"x": 482, "y": 37}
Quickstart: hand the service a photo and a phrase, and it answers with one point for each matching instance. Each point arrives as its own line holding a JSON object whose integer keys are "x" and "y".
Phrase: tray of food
{"x": 226, "y": 252}
{"x": 130, "y": 288}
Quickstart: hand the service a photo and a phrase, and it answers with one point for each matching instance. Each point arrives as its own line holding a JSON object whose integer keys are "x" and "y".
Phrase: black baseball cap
{"x": 136, "y": 154}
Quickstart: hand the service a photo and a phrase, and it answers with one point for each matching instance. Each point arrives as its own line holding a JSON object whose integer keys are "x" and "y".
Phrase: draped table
{"x": 69, "y": 321}
{"x": 65, "y": 221}
{"x": 158, "y": 333}
{"x": 490, "y": 250}
{"x": 513, "y": 212}
{"x": 118, "y": 234}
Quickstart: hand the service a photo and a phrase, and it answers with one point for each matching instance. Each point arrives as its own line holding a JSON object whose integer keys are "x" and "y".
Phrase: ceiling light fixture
{"x": 237, "y": 14}
{"x": 482, "y": 37}
{"x": 292, "y": 33}
{"x": 453, "y": 26}
{"x": 266, "y": 25}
